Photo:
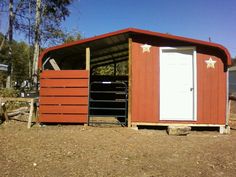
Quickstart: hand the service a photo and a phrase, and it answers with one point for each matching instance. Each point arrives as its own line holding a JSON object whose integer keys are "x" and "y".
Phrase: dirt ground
{"x": 75, "y": 150}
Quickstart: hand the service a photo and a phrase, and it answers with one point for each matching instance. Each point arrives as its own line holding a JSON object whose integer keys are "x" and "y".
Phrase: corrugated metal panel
{"x": 64, "y": 96}
{"x": 211, "y": 88}
{"x": 211, "y": 91}
{"x": 145, "y": 80}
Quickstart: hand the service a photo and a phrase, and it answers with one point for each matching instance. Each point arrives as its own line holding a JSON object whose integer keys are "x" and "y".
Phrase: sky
{"x": 198, "y": 19}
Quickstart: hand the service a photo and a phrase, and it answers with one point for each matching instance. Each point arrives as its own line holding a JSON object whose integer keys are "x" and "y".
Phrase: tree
{"x": 48, "y": 17}
{"x": 39, "y": 20}
{"x": 36, "y": 41}
{"x": 20, "y": 69}
{"x": 10, "y": 30}
{"x": 70, "y": 37}
{"x": 12, "y": 18}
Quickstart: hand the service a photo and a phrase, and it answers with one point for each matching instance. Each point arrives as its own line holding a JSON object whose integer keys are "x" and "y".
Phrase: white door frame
{"x": 194, "y": 73}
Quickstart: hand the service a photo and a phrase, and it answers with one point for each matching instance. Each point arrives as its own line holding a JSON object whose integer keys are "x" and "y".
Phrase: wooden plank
{"x": 4, "y": 99}
{"x": 64, "y": 83}
{"x": 63, "y": 109}
{"x": 63, "y": 74}
{"x": 31, "y": 113}
{"x": 63, "y": 100}
{"x": 64, "y": 92}
{"x": 130, "y": 84}
{"x": 87, "y": 58}
{"x": 54, "y": 64}
{"x": 74, "y": 118}
{"x": 175, "y": 124}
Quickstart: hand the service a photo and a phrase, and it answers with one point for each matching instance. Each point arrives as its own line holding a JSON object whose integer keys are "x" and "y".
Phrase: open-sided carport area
{"x": 138, "y": 77}
{"x": 81, "y": 82}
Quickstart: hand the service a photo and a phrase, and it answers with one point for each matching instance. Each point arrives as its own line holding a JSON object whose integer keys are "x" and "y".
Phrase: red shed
{"x": 138, "y": 76}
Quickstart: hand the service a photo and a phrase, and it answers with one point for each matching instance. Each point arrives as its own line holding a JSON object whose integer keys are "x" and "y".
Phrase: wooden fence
{"x": 64, "y": 96}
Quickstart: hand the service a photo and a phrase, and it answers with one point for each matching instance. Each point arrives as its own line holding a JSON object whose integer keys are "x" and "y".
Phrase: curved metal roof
{"x": 118, "y": 40}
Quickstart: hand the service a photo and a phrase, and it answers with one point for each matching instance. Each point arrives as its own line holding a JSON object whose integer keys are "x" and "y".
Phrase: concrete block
{"x": 224, "y": 129}
{"x": 178, "y": 130}
{"x": 134, "y": 127}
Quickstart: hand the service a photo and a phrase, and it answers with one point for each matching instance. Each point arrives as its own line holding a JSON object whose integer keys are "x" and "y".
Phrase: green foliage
{"x": 69, "y": 37}
{"x": 121, "y": 69}
{"x": 20, "y": 61}
{"x": 3, "y": 76}
{"x": 52, "y": 13}
{"x": 20, "y": 56}
{"x": 8, "y": 93}
{"x": 104, "y": 70}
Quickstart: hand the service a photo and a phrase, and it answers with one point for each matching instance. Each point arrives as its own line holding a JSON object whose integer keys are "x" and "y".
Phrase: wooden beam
{"x": 4, "y": 99}
{"x": 87, "y": 58}
{"x": 130, "y": 84}
{"x": 54, "y": 64}
{"x": 31, "y": 113}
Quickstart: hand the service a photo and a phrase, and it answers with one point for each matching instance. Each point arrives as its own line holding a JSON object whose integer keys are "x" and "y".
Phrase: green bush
{"x": 8, "y": 93}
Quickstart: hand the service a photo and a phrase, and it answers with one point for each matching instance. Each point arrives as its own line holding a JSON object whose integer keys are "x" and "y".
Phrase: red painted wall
{"x": 145, "y": 79}
{"x": 211, "y": 91}
{"x": 211, "y": 86}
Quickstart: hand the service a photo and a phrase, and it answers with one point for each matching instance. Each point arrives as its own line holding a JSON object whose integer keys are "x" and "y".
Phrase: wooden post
{"x": 87, "y": 58}
{"x": 88, "y": 69}
{"x": 130, "y": 83}
{"x": 31, "y": 113}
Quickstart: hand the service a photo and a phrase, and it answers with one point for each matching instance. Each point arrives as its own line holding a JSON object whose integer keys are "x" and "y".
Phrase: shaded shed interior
{"x": 103, "y": 52}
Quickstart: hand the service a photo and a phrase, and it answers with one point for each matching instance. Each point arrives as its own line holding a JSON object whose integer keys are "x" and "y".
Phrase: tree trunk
{"x": 36, "y": 43}
{"x": 8, "y": 83}
{"x": 12, "y": 21}
{"x": 4, "y": 40}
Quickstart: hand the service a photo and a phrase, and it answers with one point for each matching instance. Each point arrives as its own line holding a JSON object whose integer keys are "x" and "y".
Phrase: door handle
{"x": 191, "y": 89}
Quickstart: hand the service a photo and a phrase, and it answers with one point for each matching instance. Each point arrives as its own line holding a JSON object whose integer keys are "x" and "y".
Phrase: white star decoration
{"x": 146, "y": 48}
{"x": 210, "y": 63}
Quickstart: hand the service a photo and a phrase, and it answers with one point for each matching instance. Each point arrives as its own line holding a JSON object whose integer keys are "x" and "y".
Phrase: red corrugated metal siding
{"x": 211, "y": 88}
{"x": 145, "y": 79}
{"x": 64, "y": 96}
{"x": 211, "y": 91}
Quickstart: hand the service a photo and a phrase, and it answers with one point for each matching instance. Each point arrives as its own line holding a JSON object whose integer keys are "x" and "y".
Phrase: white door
{"x": 177, "y": 84}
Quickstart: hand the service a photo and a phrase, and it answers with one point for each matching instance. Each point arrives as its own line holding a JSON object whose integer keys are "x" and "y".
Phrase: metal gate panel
{"x": 108, "y": 99}
{"x": 64, "y": 96}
